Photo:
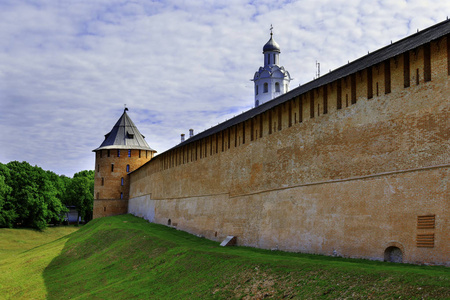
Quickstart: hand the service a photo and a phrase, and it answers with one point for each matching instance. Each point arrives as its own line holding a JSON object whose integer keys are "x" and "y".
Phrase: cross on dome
{"x": 271, "y": 45}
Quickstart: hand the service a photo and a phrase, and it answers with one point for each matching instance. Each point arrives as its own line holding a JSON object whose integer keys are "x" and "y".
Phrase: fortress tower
{"x": 271, "y": 80}
{"x": 123, "y": 150}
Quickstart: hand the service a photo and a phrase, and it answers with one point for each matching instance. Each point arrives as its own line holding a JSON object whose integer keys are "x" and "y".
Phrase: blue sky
{"x": 68, "y": 67}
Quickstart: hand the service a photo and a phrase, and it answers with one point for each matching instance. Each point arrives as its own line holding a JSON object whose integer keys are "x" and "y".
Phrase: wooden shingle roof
{"x": 124, "y": 135}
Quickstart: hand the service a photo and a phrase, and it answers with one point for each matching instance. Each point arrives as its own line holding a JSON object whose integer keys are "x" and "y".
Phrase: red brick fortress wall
{"x": 353, "y": 168}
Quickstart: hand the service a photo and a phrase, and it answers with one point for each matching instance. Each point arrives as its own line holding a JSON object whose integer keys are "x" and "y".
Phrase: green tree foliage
{"x": 80, "y": 193}
{"x": 32, "y": 197}
{"x": 7, "y": 210}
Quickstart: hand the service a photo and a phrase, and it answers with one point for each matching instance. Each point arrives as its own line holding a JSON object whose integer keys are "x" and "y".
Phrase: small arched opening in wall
{"x": 393, "y": 254}
{"x": 169, "y": 222}
{"x": 277, "y": 87}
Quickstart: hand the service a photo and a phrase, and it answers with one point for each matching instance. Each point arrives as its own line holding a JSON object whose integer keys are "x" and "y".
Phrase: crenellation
{"x": 339, "y": 94}
{"x": 325, "y": 98}
{"x": 280, "y": 120}
{"x": 427, "y": 62}
{"x": 353, "y": 88}
{"x": 387, "y": 76}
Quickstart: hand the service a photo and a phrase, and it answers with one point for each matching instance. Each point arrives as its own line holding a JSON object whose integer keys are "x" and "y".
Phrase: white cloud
{"x": 67, "y": 68}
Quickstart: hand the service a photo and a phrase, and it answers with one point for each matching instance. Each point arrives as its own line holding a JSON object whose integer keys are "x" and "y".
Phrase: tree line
{"x": 32, "y": 197}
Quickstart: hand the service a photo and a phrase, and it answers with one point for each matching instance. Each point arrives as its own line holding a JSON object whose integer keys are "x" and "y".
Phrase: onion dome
{"x": 271, "y": 45}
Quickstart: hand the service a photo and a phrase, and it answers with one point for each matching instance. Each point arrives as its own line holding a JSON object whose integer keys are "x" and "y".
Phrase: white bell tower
{"x": 271, "y": 80}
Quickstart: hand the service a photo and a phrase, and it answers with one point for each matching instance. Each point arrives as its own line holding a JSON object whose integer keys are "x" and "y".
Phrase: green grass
{"x": 24, "y": 255}
{"x": 125, "y": 257}
{"x": 15, "y": 241}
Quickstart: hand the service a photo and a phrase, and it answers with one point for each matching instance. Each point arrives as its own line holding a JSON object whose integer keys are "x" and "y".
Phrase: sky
{"x": 68, "y": 67}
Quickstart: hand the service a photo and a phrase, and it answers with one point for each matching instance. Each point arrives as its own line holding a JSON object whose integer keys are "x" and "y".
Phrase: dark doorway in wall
{"x": 393, "y": 254}
{"x": 169, "y": 222}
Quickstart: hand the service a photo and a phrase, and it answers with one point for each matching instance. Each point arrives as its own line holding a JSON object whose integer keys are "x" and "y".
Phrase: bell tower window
{"x": 271, "y": 80}
{"x": 277, "y": 87}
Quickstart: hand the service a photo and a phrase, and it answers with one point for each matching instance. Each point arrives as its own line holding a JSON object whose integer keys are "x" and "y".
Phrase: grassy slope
{"x": 15, "y": 241}
{"x": 24, "y": 254}
{"x": 125, "y": 257}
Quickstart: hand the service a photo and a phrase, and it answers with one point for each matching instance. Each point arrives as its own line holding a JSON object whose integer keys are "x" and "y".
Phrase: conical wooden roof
{"x": 124, "y": 135}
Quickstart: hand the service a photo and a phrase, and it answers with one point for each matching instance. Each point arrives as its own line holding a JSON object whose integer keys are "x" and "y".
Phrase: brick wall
{"x": 349, "y": 180}
{"x": 111, "y": 182}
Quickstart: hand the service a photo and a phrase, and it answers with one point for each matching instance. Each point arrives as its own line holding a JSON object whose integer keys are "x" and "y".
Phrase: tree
{"x": 33, "y": 195}
{"x": 80, "y": 193}
{"x": 7, "y": 211}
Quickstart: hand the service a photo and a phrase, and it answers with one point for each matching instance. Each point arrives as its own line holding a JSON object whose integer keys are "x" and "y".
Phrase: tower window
{"x": 98, "y": 168}
{"x": 109, "y": 153}
{"x": 118, "y": 153}
{"x": 268, "y": 59}
{"x": 274, "y": 61}
{"x": 103, "y": 181}
{"x": 139, "y": 153}
{"x": 266, "y": 87}
{"x": 128, "y": 168}
{"x": 129, "y": 153}
{"x": 277, "y": 87}
{"x": 121, "y": 195}
{"x": 256, "y": 90}
{"x": 112, "y": 167}
{"x": 121, "y": 181}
